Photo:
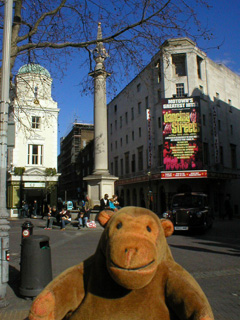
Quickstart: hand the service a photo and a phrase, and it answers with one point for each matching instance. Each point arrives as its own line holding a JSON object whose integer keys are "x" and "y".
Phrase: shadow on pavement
{"x": 14, "y": 280}
{"x": 223, "y": 235}
{"x": 206, "y": 250}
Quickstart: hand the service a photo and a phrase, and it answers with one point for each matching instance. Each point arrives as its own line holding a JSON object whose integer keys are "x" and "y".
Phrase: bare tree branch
{"x": 87, "y": 43}
{"x": 46, "y": 14}
{"x": 48, "y": 31}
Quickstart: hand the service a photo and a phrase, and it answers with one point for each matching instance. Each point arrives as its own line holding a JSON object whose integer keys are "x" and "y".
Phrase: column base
{"x": 99, "y": 184}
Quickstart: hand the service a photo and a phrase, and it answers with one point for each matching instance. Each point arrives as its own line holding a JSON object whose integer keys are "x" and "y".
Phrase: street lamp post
{"x": 5, "y": 81}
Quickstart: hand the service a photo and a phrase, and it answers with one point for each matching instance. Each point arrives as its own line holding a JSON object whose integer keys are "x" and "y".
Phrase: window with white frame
{"x": 35, "y": 122}
{"x": 180, "y": 89}
{"x": 35, "y": 154}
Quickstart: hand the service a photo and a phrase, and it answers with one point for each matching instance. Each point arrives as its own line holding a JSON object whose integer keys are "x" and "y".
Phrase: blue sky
{"x": 222, "y": 19}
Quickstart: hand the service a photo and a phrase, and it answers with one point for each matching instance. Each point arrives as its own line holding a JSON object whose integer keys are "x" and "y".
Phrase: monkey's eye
{"x": 149, "y": 229}
{"x": 119, "y": 225}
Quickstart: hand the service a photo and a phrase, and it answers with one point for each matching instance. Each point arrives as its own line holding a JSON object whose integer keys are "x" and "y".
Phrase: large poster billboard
{"x": 182, "y": 147}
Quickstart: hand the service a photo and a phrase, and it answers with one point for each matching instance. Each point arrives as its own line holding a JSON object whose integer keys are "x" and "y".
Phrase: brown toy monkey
{"x": 131, "y": 276}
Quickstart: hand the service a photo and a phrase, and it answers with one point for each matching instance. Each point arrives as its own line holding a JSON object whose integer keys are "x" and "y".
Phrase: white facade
{"x": 178, "y": 71}
{"x": 36, "y": 128}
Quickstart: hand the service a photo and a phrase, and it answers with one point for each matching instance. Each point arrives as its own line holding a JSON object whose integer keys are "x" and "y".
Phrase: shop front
{"x": 26, "y": 189}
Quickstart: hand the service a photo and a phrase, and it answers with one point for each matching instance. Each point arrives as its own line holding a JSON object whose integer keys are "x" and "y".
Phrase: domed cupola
{"x": 33, "y": 82}
{"x": 33, "y": 68}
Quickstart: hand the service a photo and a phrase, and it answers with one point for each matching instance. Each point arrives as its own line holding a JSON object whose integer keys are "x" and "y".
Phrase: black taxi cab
{"x": 189, "y": 212}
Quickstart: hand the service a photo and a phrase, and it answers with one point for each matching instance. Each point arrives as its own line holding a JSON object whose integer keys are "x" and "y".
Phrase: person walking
{"x": 25, "y": 209}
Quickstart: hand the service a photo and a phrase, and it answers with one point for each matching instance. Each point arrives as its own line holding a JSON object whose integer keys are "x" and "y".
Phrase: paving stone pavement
{"x": 213, "y": 259}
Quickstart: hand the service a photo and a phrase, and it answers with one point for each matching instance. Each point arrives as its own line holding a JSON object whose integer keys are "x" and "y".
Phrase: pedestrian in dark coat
{"x": 104, "y": 203}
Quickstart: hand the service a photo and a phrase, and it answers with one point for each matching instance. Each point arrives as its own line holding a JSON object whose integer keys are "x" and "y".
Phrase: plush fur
{"x": 132, "y": 276}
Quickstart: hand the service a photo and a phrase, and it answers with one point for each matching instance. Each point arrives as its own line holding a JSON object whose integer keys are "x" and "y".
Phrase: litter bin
{"x": 35, "y": 265}
{"x": 27, "y": 229}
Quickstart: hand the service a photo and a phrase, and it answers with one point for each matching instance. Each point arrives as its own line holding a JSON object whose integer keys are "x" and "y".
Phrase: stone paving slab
{"x": 213, "y": 259}
{"x": 14, "y": 315}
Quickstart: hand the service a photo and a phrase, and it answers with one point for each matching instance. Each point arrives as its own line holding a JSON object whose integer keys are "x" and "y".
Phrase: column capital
{"x": 99, "y": 72}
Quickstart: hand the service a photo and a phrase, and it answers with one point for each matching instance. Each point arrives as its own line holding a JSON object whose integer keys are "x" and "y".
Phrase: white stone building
{"x": 151, "y": 120}
{"x": 33, "y": 160}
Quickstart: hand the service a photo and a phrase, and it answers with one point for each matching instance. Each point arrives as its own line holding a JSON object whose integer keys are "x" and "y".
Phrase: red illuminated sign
{"x": 183, "y": 174}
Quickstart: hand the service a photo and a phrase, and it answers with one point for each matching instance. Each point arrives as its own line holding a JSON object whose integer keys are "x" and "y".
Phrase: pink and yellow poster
{"x": 182, "y": 147}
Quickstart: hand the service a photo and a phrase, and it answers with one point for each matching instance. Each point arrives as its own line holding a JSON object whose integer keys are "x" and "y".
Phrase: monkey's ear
{"x": 168, "y": 227}
{"x": 104, "y": 216}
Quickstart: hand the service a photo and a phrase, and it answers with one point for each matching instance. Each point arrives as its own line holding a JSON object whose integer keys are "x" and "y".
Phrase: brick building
{"x": 70, "y": 181}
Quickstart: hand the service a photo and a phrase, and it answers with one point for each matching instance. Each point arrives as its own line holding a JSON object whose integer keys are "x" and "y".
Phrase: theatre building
{"x": 175, "y": 128}
{"x": 32, "y": 159}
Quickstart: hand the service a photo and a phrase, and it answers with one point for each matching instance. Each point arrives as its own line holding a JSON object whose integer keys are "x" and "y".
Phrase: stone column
{"x": 100, "y": 182}
{"x": 100, "y": 123}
